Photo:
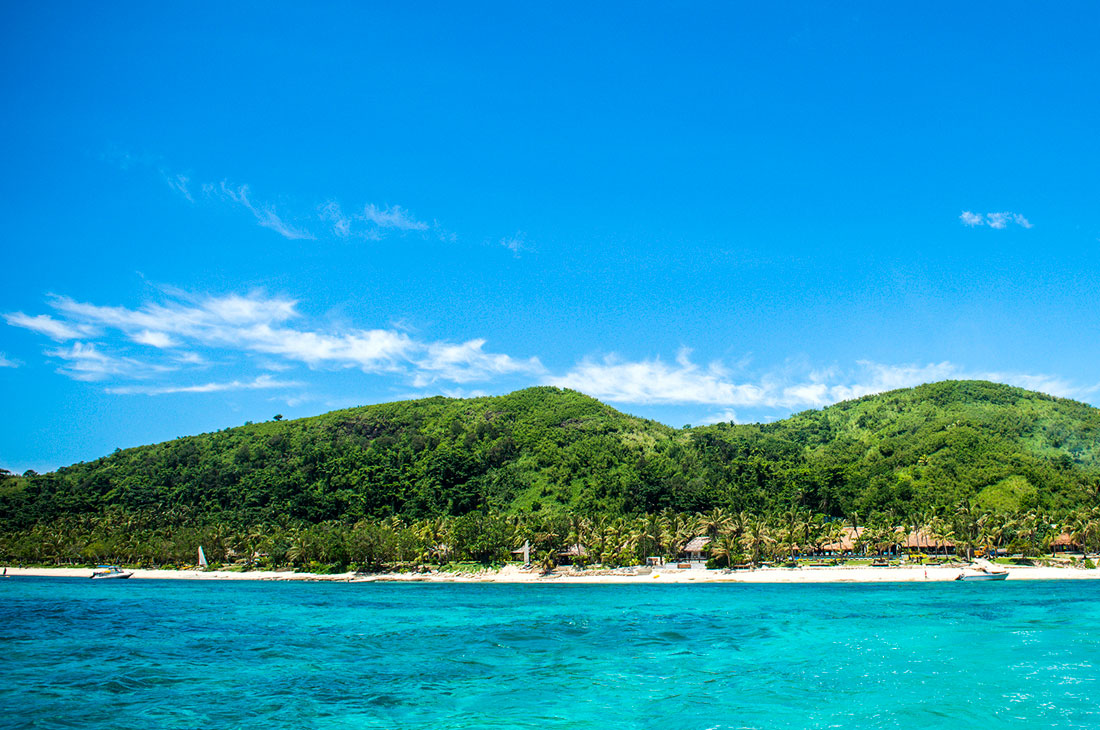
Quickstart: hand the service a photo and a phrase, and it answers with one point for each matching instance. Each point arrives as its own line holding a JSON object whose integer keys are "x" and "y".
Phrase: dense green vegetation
{"x": 535, "y": 461}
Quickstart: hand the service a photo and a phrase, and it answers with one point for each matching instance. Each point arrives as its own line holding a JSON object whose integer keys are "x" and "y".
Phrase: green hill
{"x": 546, "y": 450}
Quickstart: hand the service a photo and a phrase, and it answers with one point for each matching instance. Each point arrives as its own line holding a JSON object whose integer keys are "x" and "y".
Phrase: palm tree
{"x": 966, "y": 529}
{"x": 758, "y": 539}
{"x": 726, "y": 548}
{"x": 716, "y": 522}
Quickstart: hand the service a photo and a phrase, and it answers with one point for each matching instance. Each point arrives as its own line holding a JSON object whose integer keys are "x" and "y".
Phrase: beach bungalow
{"x": 923, "y": 541}
{"x": 696, "y": 549}
{"x": 1064, "y": 543}
{"x": 846, "y": 545}
{"x": 573, "y": 554}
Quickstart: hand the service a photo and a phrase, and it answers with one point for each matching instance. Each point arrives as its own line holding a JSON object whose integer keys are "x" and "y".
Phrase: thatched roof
{"x": 1064, "y": 540}
{"x": 574, "y": 551}
{"x": 847, "y": 540}
{"x": 923, "y": 540}
{"x": 696, "y": 544}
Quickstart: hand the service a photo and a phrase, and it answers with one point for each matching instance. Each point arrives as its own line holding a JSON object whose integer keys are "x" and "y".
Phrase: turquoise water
{"x": 180, "y": 654}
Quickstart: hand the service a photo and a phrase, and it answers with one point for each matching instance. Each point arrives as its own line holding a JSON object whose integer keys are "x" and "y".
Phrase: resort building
{"x": 694, "y": 551}
{"x": 925, "y": 542}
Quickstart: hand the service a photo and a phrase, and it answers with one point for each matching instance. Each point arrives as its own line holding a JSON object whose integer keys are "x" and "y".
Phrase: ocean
{"x": 201, "y": 654}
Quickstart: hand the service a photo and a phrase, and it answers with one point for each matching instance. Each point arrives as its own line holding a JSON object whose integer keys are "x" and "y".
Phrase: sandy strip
{"x": 515, "y": 574}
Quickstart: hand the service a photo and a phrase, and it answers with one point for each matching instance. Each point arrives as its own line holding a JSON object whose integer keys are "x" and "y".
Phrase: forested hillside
{"x": 543, "y": 451}
{"x": 558, "y": 450}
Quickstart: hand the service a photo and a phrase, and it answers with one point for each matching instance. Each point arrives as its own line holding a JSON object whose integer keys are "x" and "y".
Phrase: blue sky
{"x": 695, "y": 212}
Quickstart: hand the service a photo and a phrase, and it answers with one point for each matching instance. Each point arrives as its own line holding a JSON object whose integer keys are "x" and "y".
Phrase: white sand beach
{"x": 662, "y": 575}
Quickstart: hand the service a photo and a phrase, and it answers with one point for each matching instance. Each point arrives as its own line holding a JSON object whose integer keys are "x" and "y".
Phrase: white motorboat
{"x": 108, "y": 572}
{"x": 983, "y": 571}
{"x": 978, "y": 575}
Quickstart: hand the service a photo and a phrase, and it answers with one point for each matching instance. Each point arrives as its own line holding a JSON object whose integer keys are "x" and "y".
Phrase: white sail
{"x": 202, "y": 559}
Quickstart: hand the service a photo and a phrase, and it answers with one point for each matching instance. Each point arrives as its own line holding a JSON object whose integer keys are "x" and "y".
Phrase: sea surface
{"x": 200, "y": 654}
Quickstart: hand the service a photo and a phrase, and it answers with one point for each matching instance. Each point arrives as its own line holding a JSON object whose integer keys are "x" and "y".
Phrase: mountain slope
{"x": 545, "y": 449}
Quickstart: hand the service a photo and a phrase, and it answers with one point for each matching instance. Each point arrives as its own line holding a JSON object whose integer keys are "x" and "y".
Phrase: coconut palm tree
{"x": 758, "y": 539}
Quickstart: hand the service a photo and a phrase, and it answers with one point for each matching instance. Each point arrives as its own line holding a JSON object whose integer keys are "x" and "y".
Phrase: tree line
{"x": 736, "y": 538}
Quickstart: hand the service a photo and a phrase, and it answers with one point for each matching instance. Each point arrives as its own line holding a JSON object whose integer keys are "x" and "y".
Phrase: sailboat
{"x": 202, "y": 559}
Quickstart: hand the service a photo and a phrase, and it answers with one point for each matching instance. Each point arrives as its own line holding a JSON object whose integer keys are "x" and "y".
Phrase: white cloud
{"x": 726, "y": 416}
{"x": 871, "y": 377}
{"x": 6, "y": 363}
{"x": 265, "y": 214}
{"x": 52, "y": 328}
{"x": 179, "y": 183}
{"x": 997, "y": 221}
{"x": 263, "y": 382}
{"x": 1049, "y": 384}
{"x": 154, "y": 339}
{"x": 270, "y": 331}
{"x": 190, "y": 358}
{"x": 655, "y": 381}
{"x": 341, "y": 224}
{"x": 467, "y": 362}
{"x": 264, "y": 325}
{"x": 85, "y": 361}
{"x": 395, "y": 217}
{"x": 372, "y": 223}
{"x": 515, "y": 243}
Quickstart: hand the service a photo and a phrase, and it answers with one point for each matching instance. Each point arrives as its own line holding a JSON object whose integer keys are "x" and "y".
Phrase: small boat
{"x": 983, "y": 571}
{"x": 203, "y": 565}
{"x": 981, "y": 576}
{"x": 106, "y": 572}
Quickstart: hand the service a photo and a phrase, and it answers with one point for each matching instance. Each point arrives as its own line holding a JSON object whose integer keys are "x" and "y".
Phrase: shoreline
{"x": 656, "y": 576}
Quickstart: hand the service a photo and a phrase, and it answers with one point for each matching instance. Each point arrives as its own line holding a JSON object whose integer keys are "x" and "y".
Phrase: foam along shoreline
{"x": 663, "y": 575}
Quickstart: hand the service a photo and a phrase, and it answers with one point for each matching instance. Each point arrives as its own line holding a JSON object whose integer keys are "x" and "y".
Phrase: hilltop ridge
{"x": 545, "y": 449}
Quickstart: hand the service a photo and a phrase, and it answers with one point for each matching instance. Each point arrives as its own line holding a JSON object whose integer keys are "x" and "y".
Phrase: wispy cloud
{"x": 997, "y": 221}
{"x": 265, "y": 214}
{"x": 262, "y": 382}
{"x": 726, "y": 416}
{"x": 184, "y": 333}
{"x": 657, "y": 382}
{"x": 6, "y": 363}
{"x": 369, "y": 221}
{"x": 85, "y": 361}
{"x": 179, "y": 183}
{"x": 515, "y": 243}
{"x": 467, "y": 362}
{"x": 46, "y": 325}
{"x": 332, "y": 213}
{"x": 154, "y": 339}
{"x": 971, "y": 219}
{"x": 372, "y": 222}
{"x": 272, "y": 327}
{"x": 395, "y": 217}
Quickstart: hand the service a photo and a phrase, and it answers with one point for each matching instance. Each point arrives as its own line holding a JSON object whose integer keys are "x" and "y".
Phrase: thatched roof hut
{"x": 847, "y": 542}
{"x": 695, "y": 547}
{"x": 575, "y": 550}
{"x": 696, "y": 544}
{"x": 1065, "y": 541}
{"x": 924, "y": 540}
